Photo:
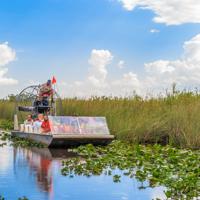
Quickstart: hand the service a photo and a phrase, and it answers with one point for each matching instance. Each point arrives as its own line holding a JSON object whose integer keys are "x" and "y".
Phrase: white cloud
{"x": 98, "y": 83}
{"x": 170, "y": 12}
{"x": 7, "y": 55}
{"x": 99, "y": 60}
{"x": 157, "y": 76}
{"x": 121, "y": 64}
{"x": 184, "y": 71}
{"x": 4, "y": 80}
{"x": 128, "y": 80}
{"x": 154, "y": 31}
{"x": 126, "y": 85}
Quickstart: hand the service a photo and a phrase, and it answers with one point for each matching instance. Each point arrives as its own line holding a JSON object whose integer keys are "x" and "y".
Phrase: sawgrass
{"x": 174, "y": 119}
{"x": 7, "y": 109}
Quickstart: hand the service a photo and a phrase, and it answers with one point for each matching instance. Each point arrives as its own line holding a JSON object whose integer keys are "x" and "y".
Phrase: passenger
{"x": 29, "y": 120}
{"x": 38, "y": 122}
{"x": 45, "y": 125}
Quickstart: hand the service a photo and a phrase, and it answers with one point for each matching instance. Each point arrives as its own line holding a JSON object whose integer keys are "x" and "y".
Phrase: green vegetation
{"x": 6, "y": 124}
{"x": 20, "y": 142}
{"x": 173, "y": 119}
{"x": 20, "y": 198}
{"x": 178, "y": 170}
{"x": 23, "y": 198}
{"x": 1, "y": 145}
{"x": 7, "y": 109}
{"x": 2, "y": 198}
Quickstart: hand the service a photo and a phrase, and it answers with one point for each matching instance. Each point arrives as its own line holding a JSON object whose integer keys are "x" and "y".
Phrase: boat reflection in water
{"x": 36, "y": 174}
{"x": 42, "y": 167}
{"x": 41, "y": 162}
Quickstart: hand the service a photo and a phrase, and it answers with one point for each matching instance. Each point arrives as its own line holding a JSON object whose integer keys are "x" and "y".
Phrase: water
{"x": 35, "y": 173}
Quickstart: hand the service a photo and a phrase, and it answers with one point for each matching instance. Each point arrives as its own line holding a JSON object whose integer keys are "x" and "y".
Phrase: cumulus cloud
{"x": 7, "y": 55}
{"x": 121, "y": 64}
{"x": 99, "y": 60}
{"x": 184, "y": 71}
{"x": 158, "y": 75}
{"x": 97, "y": 81}
{"x": 4, "y": 80}
{"x": 125, "y": 86}
{"x": 170, "y": 12}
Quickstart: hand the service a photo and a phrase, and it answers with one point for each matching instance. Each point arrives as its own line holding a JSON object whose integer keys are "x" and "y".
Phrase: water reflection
{"x": 42, "y": 167}
{"x": 40, "y": 163}
{"x": 35, "y": 173}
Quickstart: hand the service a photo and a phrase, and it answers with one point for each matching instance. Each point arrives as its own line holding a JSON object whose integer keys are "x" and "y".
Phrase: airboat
{"x": 65, "y": 131}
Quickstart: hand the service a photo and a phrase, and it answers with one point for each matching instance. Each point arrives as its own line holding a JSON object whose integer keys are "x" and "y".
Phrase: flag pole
{"x": 54, "y": 91}
{"x": 55, "y": 99}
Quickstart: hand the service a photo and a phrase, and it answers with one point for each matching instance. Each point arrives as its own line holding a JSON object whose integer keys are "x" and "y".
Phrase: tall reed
{"x": 173, "y": 119}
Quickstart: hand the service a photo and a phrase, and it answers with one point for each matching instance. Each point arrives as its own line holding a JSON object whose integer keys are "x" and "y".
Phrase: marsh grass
{"x": 7, "y": 109}
{"x": 172, "y": 119}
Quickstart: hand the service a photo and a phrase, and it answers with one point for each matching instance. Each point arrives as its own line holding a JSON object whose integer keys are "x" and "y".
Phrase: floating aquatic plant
{"x": 23, "y": 198}
{"x": 24, "y": 142}
{"x": 20, "y": 198}
{"x": 6, "y": 124}
{"x": 21, "y": 142}
{"x": 5, "y": 136}
{"x": 3, "y": 144}
{"x": 178, "y": 170}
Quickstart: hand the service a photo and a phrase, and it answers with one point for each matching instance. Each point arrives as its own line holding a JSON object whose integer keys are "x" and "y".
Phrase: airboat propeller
{"x": 31, "y": 100}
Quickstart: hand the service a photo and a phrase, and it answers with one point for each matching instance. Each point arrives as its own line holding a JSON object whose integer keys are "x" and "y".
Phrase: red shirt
{"x": 45, "y": 126}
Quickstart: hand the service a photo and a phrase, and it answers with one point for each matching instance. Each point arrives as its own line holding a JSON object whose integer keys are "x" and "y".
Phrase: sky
{"x": 100, "y": 47}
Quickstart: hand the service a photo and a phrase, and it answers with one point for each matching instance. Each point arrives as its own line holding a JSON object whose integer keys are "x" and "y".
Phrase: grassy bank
{"x": 7, "y": 109}
{"x": 174, "y": 119}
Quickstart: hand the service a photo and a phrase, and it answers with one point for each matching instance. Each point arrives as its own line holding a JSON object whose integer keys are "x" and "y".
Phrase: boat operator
{"x": 44, "y": 95}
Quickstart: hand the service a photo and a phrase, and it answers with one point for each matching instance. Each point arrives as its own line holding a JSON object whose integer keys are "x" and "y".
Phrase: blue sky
{"x": 56, "y": 37}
